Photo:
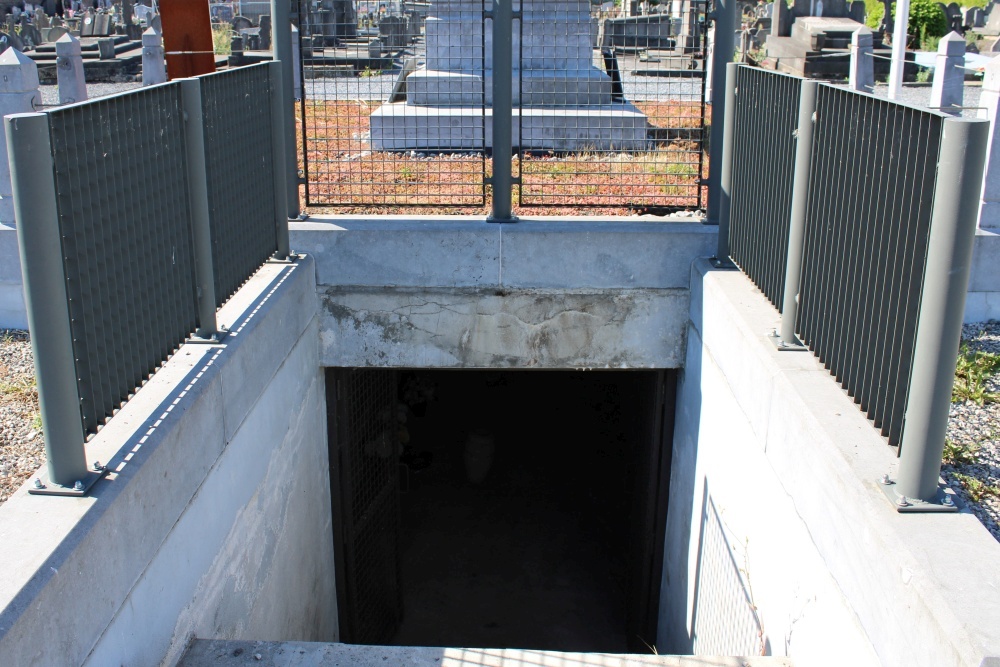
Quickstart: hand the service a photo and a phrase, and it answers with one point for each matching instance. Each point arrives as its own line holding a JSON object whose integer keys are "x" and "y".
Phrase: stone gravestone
{"x": 41, "y": 20}
{"x": 561, "y": 101}
{"x": 265, "y": 32}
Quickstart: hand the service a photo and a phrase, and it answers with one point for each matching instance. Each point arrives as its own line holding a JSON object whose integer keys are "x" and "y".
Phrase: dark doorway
{"x": 529, "y": 514}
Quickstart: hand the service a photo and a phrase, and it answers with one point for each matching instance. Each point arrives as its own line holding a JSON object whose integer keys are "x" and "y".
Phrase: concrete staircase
{"x": 222, "y": 653}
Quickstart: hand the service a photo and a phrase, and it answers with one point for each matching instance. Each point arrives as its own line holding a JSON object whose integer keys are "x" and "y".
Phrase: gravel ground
{"x": 50, "y": 94}
{"x": 976, "y": 428}
{"x": 21, "y": 445}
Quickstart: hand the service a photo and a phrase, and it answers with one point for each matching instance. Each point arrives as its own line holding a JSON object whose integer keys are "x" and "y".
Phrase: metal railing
{"x": 137, "y": 215}
{"x": 763, "y": 161}
{"x": 880, "y": 224}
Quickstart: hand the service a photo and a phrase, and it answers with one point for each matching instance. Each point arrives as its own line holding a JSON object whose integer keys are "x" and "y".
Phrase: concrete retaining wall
{"x": 12, "y": 312}
{"x": 777, "y": 533}
{"x": 463, "y": 293}
{"x": 216, "y": 519}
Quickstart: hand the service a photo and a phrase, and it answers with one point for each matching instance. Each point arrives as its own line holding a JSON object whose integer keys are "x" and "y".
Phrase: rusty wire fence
{"x": 397, "y": 106}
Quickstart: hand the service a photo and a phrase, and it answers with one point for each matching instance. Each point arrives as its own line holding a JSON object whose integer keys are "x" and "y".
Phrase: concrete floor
{"x": 535, "y": 556}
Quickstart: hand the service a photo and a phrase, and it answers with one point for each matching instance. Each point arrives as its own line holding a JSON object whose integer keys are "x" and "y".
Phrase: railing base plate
{"x": 215, "y": 339}
{"x": 782, "y": 346}
{"x": 946, "y": 500}
{"x": 725, "y": 264}
{"x": 291, "y": 259}
{"x": 46, "y": 488}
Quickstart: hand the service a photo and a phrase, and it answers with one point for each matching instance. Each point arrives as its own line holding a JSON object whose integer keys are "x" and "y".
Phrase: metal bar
{"x": 278, "y": 149}
{"x": 503, "y": 48}
{"x": 281, "y": 43}
{"x": 942, "y": 302}
{"x": 201, "y": 231}
{"x": 33, "y": 184}
{"x": 722, "y": 53}
{"x": 800, "y": 201}
{"x": 726, "y": 165}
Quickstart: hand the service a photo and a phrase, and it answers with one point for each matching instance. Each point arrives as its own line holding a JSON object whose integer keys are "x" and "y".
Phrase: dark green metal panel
{"x": 767, "y": 108}
{"x": 122, "y": 195}
{"x": 239, "y": 163}
{"x": 866, "y": 234}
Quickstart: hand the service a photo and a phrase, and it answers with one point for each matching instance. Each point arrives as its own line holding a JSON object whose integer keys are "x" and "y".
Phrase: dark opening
{"x": 514, "y": 509}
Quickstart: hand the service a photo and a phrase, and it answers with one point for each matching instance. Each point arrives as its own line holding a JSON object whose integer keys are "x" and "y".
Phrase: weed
{"x": 976, "y": 488}
{"x": 407, "y": 174}
{"x": 368, "y": 72}
{"x": 973, "y": 371}
{"x": 222, "y": 39}
{"x": 18, "y": 387}
{"x": 924, "y": 75}
{"x": 958, "y": 453}
{"x": 36, "y": 423}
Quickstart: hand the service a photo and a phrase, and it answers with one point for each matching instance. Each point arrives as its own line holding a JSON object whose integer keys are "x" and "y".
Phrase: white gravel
{"x": 22, "y": 450}
{"x": 978, "y": 427}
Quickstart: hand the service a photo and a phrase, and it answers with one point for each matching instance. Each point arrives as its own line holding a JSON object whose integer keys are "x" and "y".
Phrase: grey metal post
{"x": 34, "y": 188}
{"x": 725, "y": 168}
{"x": 274, "y": 70}
{"x": 797, "y": 223}
{"x": 281, "y": 29}
{"x": 939, "y": 324}
{"x": 194, "y": 140}
{"x": 722, "y": 53}
{"x": 503, "y": 109}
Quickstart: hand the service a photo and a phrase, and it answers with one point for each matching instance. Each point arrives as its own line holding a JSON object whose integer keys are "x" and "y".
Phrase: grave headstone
{"x": 106, "y": 48}
{"x": 87, "y": 26}
{"x": 443, "y": 98}
{"x": 241, "y": 23}
{"x": 54, "y": 33}
{"x": 265, "y": 32}
{"x": 41, "y": 20}
{"x": 102, "y": 25}
{"x": 989, "y": 100}
{"x": 781, "y": 22}
{"x": 948, "y": 88}
{"x": 69, "y": 70}
{"x": 856, "y": 12}
{"x": 18, "y": 94}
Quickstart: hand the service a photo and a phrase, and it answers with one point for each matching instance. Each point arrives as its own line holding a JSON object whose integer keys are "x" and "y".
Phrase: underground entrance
{"x": 500, "y": 509}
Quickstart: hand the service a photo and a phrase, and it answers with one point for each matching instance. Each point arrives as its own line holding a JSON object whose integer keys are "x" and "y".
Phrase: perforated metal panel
{"x": 369, "y": 458}
{"x": 122, "y": 197}
{"x": 871, "y": 184}
{"x": 767, "y": 108}
{"x": 239, "y": 165}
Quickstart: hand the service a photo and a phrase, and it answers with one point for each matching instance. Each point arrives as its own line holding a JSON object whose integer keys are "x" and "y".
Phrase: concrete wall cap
{"x": 952, "y": 44}
{"x": 68, "y": 45}
{"x": 151, "y": 38}
{"x": 18, "y": 72}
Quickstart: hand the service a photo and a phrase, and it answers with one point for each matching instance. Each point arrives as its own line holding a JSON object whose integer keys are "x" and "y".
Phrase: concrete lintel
{"x": 916, "y": 599}
{"x": 500, "y": 328}
{"x": 644, "y": 252}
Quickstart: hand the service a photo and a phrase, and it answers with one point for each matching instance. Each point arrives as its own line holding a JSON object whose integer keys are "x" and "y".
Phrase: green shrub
{"x": 926, "y": 18}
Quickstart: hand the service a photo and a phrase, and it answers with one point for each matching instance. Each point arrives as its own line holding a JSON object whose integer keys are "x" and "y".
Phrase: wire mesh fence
{"x": 609, "y": 109}
{"x": 397, "y": 105}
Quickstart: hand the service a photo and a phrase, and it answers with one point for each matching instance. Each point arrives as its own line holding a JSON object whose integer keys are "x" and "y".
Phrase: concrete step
{"x": 531, "y": 88}
{"x": 223, "y": 653}
{"x": 402, "y": 127}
